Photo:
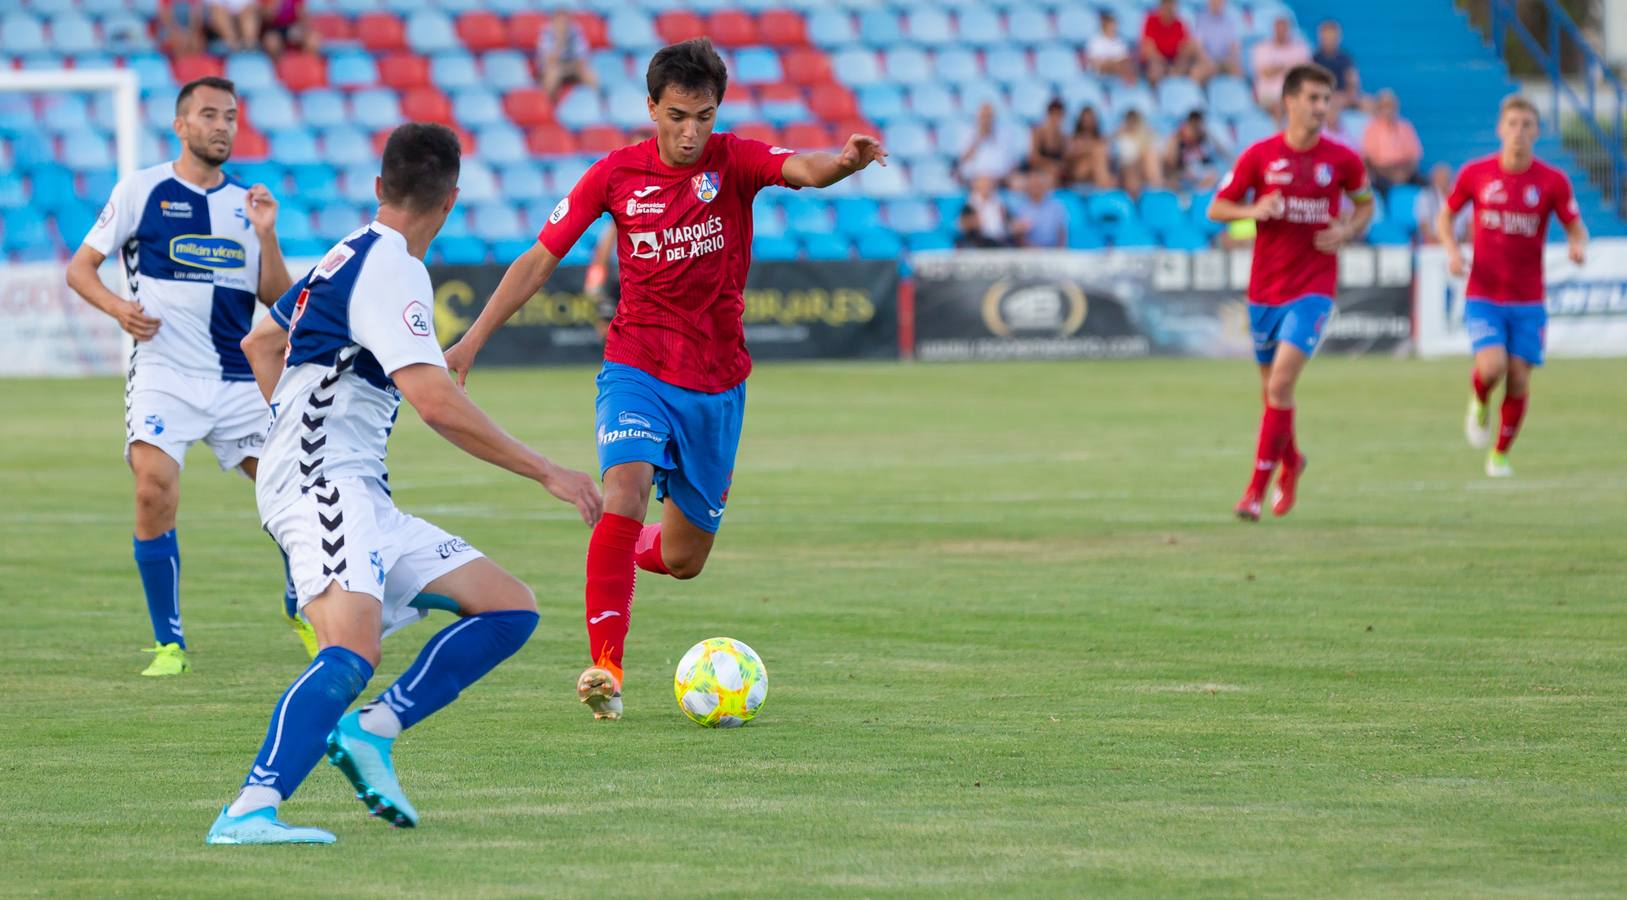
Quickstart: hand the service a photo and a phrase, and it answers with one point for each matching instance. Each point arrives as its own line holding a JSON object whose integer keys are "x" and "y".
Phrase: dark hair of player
{"x": 421, "y": 162}
{"x": 1300, "y": 74}
{"x": 1515, "y": 101}
{"x": 209, "y": 81}
{"x": 691, "y": 65}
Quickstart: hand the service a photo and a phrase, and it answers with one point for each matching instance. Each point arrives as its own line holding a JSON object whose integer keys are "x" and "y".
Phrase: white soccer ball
{"x": 720, "y": 683}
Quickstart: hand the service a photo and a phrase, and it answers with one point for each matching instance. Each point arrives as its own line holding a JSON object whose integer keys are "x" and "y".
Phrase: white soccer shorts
{"x": 172, "y": 410}
{"x": 349, "y": 531}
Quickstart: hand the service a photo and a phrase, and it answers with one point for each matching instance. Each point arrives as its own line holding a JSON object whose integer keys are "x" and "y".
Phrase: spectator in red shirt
{"x": 285, "y": 25}
{"x": 1167, "y": 47}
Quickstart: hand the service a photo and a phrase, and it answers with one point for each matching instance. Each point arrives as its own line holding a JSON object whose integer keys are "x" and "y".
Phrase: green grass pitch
{"x": 1016, "y": 643}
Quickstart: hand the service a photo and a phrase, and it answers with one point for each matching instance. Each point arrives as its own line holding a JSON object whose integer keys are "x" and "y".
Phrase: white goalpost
{"x": 121, "y": 83}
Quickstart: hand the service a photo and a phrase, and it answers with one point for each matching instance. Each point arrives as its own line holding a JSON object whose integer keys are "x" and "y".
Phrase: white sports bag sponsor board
{"x": 1587, "y": 305}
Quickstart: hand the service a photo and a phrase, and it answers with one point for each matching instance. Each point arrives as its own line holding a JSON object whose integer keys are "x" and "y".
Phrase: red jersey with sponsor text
{"x": 1510, "y": 225}
{"x": 1287, "y": 265}
{"x": 684, "y": 245}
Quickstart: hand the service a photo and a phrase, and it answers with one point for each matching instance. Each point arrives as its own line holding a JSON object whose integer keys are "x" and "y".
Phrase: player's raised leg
{"x": 498, "y": 615}
{"x": 348, "y": 625}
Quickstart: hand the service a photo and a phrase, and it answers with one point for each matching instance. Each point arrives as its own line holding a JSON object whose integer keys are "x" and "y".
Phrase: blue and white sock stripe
{"x": 429, "y": 659}
{"x": 282, "y": 710}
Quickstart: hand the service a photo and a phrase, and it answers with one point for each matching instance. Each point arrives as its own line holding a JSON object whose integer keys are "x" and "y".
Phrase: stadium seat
{"x": 431, "y": 31}
{"x": 26, "y": 233}
{"x": 857, "y": 66}
{"x": 21, "y": 33}
{"x": 352, "y": 70}
{"x": 459, "y": 250}
{"x": 633, "y": 29}
{"x": 347, "y": 145}
{"x": 1029, "y": 25}
{"x": 1252, "y": 125}
{"x": 676, "y": 26}
{"x": 1229, "y": 96}
{"x": 496, "y": 222}
{"x": 455, "y": 71}
{"x": 476, "y": 107}
{"x": 96, "y": 185}
{"x": 857, "y": 215}
{"x": 477, "y": 183}
{"x": 51, "y": 186}
{"x": 601, "y": 139}
{"x": 594, "y": 29}
{"x": 501, "y": 143}
{"x": 771, "y": 248}
{"x": 807, "y": 66}
{"x": 782, "y": 28}
{"x": 882, "y": 181}
{"x": 62, "y": 112}
{"x": 321, "y": 108}
{"x": 1179, "y": 96}
{"x": 316, "y": 179}
{"x": 525, "y": 28}
{"x": 757, "y": 65}
{"x": 1110, "y": 206}
{"x": 13, "y": 191}
{"x": 356, "y": 186}
{"x": 732, "y": 28}
{"x": 933, "y": 101}
{"x": 882, "y": 102}
{"x": 297, "y": 71}
{"x": 1057, "y": 63}
{"x": 1161, "y": 210}
{"x": 930, "y": 241}
{"x": 521, "y": 181}
{"x": 929, "y": 25}
{"x": 832, "y": 102}
{"x": 1124, "y": 98}
{"x": 191, "y": 68}
{"x": 1131, "y": 234}
{"x": 1400, "y": 206}
{"x": 334, "y": 28}
{"x": 427, "y": 105}
{"x": 1083, "y": 236}
{"x": 376, "y": 108}
{"x": 579, "y": 109}
{"x": 87, "y": 150}
{"x": 1009, "y": 65}
{"x": 908, "y": 65}
{"x": 529, "y": 107}
{"x": 977, "y": 93}
{"x": 550, "y": 139}
{"x": 1077, "y": 24}
{"x": 879, "y": 244}
{"x": 980, "y": 26}
{"x": 910, "y": 140}
{"x": 404, "y": 71}
{"x": 880, "y": 27}
{"x": 830, "y": 27}
{"x": 808, "y": 136}
{"x": 153, "y": 72}
{"x": 1389, "y": 233}
{"x": 381, "y": 32}
{"x": 507, "y": 70}
{"x": 781, "y": 104}
{"x": 71, "y": 32}
{"x": 481, "y": 31}
{"x": 826, "y": 246}
{"x": 911, "y": 216}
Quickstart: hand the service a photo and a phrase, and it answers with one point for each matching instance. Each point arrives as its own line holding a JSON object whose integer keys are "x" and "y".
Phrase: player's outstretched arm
{"x": 264, "y": 346}
{"x": 84, "y": 281}
{"x": 525, "y": 276}
{"x": 455, "y": 417}
{"x": 820, "y": 169}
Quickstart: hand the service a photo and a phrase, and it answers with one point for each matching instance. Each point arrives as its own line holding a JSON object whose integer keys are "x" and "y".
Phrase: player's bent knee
{"x": 684, "y": 569}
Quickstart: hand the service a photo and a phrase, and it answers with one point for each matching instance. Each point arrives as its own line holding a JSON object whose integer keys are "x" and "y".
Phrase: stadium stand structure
{"x": 804, "y": 74}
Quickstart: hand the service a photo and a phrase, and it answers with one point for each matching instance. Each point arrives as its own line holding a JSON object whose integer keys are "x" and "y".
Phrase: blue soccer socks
{"x": 455, "y": 658}
{"x": 302, "y": 719}
{"x": 159, "y": 562}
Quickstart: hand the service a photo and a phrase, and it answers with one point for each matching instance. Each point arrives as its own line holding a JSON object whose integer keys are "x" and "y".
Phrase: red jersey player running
{"x": 1298, "y": 180}
{"x": 672, "y": 390}
{"x": 1513, "y": 194}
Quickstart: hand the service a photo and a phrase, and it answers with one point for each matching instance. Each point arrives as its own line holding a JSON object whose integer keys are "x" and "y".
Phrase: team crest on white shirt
{"x": 1324, "y": 174}
{"x": 1532, "y": 195}
{"x": 706, "y": 186}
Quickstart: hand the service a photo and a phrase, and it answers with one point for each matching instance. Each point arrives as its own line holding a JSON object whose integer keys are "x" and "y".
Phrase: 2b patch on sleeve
{"x": 416, "y": 315}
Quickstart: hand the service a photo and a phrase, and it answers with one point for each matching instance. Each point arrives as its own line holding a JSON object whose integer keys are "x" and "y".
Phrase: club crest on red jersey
{"x": 1324, "y": 174}
{"x": 705, "y": 185}
{"x": 1532, "y": 195}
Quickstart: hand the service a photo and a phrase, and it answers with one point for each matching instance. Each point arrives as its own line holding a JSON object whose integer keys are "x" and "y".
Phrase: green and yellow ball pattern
{"x": 720, "y": 683}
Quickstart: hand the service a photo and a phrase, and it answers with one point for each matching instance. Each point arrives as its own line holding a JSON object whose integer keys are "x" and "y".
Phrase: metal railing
{"x": 1598, "y": 148}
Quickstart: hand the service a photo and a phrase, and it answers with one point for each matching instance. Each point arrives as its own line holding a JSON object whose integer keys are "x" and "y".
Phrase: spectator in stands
{"x": 1334, "y": 130}
{"x": 1040, "y": 219}
{"x": 237, "y": 22}
{"x": 1427, "y": 206}
{"x": 1390, "y": 146}
{"x": 1135, "y": 154}
{"x": 987, "y": 153}
{"x": 1194, "y": 158}
{"x": 1167, "y": 47}
{"x": 1088, "y": 162}
{"x": 1047, "y": 142}
{"x": 180, "y": 27}
{"x": 1220, "y": 35}
{"x": 969, "y": 232}
{"x": 562, "y": 55}
{"x": 1271, "y": 61}
{"x": 1107, "y": 53}
{"x": 286, "y": 24}
{"x": 1332, "y": 56}
{"x": 984, "y": 201}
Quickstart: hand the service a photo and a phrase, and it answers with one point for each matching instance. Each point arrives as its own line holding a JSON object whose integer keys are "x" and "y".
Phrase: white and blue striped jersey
{"x": 191, "y": 259}
{"x": 364, "y": 312}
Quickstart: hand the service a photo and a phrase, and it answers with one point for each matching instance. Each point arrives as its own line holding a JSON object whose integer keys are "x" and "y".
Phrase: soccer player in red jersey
{"x": 1513, "y": 193}
{"x": 672, "y": 390}
{"x": 1298, "y": 180}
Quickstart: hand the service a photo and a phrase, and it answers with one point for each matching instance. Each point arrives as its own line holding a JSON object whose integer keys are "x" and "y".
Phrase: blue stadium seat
{"x": 1009, "y": 64}
{"x": 611, "y": 67}
{"x": 74, "y": 221}
{"x": 633, "y": 28}
{"x": 431, "y": 31}
{"x": 50, "y": 7}
{"x": 353, "y": 8}
{"x": 476, "y": 107}
{"x": 51, "y": 186}
{"x": 323, "y": 108}
{"x": 909, "y": 139}
{"x": 980, "y": 27}
{"x": 1029, "y": 99}
{"x": 497, "y": 222}
{"x": 1229, "y": 96}
{"x": 156, "y": 148}
{"x": 316, "y": 179}
{"x": 293, "y": 145}
{"x": 346, "y": 145}
{"x": 857, "y": 215}
{"x": 1178, "y": 96}
{"x": 123, "y": 32}
{"x": 522, "y": 182}
{"x": 87, "y": 150}
{"x": 952, "y": 134}
{"x": 1127, "y": 97}
{"x": 881, "y": 103}
{"x": 1389, "y": 233}
{"x": 476, "y": 183}
{"x": 1110, "y": 206}
{"x": 376, "y": 108}
{"x": 857, "y": 65}
{"x": 883, "y": 182}
{"x": 507, "y": 70}
{"x": 1183, "y": 237}
{"x": 73, "y": 33}
{"x": 457, "y": 223}
{"x": 977, "y": 93}
{"x": 783, "y": 112}
{"x": 1031, "y": 25}
{"x": 17, "y": 113}
{"x": 1197, "y": 213}
{"x": 154, "y": 74}
{"x": 829, "y": 27}
{"x": 293, "y": 224}
{"x": 1399, "y": 206}
{"x": 768, "y": 220}
{"x": 1057, "y": 63}
{"x": 505, "y": 252}
{"x": 807, "y": 214}
{"x": 1161, "y": 210}
{"x": 769, "y": 248}
{"x": 930, "y": 25}
{"x": 267, "y": 173}
{"x": 26, "y": 232}
{"x": 1077, "y": 24}
{"x": 352, "y": 70}
{"x": 460, "y": 251}
{"x": 13, "y": 190}
{"x": 1131, "y": 234}
{"x": 933, "y": 101}
{"x": 96, "y": 185}
{"x": 579, "y": 109}
{"x": 501, "y": 143}
{"x": 566, "y": 173}
{"x": 157, "y": 111}
{"x": 826, "y": 246}
{"x": 337, "y": 219}
{"x": 911, "y": 216}
{"x": 957, "y": 65}
{"x": 879, "y": 243}
{"x": 625, "y": 103}
{"x": 251, "y": 72}
{"x": 757, "y": 65}
{"x": 62, "y": 112}
{"x": 458, "y": 7}
{"x": 306, "y": 247}
{"x": 930, "y": 241}
{"x": 933, "y": 176}
{"x": 1250, "y": 126}
{"x": 454, "y": 70}
{"x": 879, "y": 27}
{"x": 272, "y": 109}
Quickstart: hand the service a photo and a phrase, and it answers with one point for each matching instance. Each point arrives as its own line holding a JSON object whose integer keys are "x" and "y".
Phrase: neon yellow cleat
{"x": 170, "y": 659}
{"x": 1477, "y": 424}
{"x": 1497, "y": 465}
{"x": 307, "y": 634}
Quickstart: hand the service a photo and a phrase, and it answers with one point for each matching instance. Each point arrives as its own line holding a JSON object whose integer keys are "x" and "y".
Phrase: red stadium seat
{"x": 594, "y": 29}
{"x": 782, "y": 28}
{"x": 381, "y": 32}
{"x": 842, "y": 129}
{"x": 250, "y": 144}
{"x": 805, "y": 65}
{"x": 679, "y": 25}
{"x": 466, "y": 140}
{"x": 332, "y": 27}
{"x": 426, "y": 105}
{"x": 758, "y": 131}
{"x": 550, "y": 140}
{"x": 732, "y": 28}
{"x": 380, "y": 138}
{"x": 188, "y": 68}
{"x": 601, "y": 139}
{"x": 808, "y": 136}
{"x": 524, "y": 28}
{"x": 302, "y": 71}
{"x": 403, "y": 71}
{"x": 778, "y": 93}
{"x": 482, "y": 31}
{"x": 831, "y": 102}
{"x": 528, "y": 107}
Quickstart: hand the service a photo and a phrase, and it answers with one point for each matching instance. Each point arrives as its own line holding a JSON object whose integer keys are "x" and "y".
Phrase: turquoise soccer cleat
{"x": 364, "y": 758}
{"x": 262, "y": 827}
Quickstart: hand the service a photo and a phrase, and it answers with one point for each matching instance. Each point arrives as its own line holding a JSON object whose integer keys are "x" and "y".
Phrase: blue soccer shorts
{"x": 690, "y": 437}
{"x": 1298, "y": 322}
{"x": 1521, "y": 328}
